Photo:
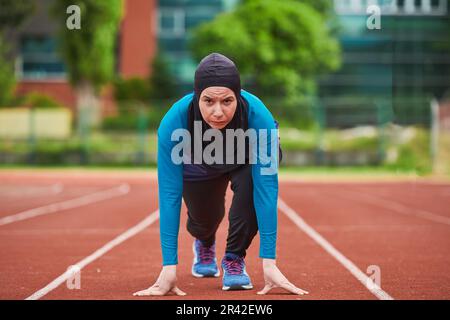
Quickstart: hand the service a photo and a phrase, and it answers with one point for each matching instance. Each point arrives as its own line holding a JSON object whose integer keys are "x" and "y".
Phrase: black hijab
{"x": 217, "y": 70}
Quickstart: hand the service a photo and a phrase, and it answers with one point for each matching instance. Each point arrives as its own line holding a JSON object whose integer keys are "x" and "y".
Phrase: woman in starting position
{"x": 218, "y": 103}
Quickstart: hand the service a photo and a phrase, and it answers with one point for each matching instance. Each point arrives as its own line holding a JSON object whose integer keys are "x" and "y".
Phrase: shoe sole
{"x": 243, "y": 287}
{"x": 198, "y": 275}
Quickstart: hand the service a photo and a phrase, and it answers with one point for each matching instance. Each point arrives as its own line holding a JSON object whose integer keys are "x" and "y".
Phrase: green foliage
{"x": 306, "y": 140}
{"x": 41, "y": 100}
{"x": 142, "y": 102}
{"x": 89, "y": 52}
{"x": 296, "y": 114}
{"x": 160, "y": 84}
{"x": 122, "y": 122}
{"x": 280, "y": 45}
{"x": 325, "y": 7}
{"x": 161, "y": 80}
{"x": 414, "y": 155}
{"x": 132, "y": 117}
{"x": 7, "y": 79}
{"x": 133, "y": 89}
{"x": 14, "y": 12}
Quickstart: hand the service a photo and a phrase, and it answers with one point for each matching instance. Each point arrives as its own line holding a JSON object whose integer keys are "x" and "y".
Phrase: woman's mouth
{"x": 218, "y": 123}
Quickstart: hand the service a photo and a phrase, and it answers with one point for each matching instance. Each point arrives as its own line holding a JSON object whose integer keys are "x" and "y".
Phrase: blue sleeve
{"x": 170, "y": 180}
{"x": 265, "y": 176}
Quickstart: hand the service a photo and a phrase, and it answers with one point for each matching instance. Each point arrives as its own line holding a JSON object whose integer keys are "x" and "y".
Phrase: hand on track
{"x": 166, "y": 283}
{"x": 273, "y": 278}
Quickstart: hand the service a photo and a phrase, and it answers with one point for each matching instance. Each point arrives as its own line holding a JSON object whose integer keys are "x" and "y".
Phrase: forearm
{"x": 170, "y": 188}
{"x": 169, "y": 226}
{"x": 265, "y": 182}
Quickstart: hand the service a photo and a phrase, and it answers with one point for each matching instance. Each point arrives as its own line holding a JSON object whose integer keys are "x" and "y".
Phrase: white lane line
{"x": 95, "y": 255}
{"x": 393, "y": 206}
{"x": 57, "y": 188}
{"x": 328, "y": 247}
{"x": 30, "y": 191}
{"x": 67, "y": 204}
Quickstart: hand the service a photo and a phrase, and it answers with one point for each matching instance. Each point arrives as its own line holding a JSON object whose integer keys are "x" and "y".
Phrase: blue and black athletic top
{"x": 170, "y": 176}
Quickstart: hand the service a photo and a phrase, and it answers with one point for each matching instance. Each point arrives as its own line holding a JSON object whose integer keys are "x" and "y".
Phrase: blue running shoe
{"x": 205, "y": 262}
{"x": 235, "y": 276}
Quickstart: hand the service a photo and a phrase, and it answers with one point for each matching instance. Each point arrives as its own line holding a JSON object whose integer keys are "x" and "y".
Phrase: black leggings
{"x": 205, "y": 201}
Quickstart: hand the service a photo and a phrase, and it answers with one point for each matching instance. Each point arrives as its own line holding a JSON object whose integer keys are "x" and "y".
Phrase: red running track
{"x": 330, "y": 236}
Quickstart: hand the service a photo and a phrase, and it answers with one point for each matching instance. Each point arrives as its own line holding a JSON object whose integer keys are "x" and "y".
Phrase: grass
{"x": 333, "y": 140}
{"x": 413, "y": 157}
{"x": 291, "y": 139}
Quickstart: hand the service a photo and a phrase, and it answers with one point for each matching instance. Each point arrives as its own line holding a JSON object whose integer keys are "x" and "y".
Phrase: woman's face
{"x": 217, "y": 106}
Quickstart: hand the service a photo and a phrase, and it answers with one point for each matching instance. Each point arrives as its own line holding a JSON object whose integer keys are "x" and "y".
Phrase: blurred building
{"x": 407, "y": 57}
{"x": 39, "y": 66}
{"x": 176, "y": 19}
{"x": 146, "y": 25}
{"x": 407, "y": 60}
{"x": 137, "y": 38}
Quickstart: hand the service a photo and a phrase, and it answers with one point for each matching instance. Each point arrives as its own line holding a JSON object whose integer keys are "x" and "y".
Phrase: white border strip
{"x": 328, "y": 247}
{"x": 97, "y": 254}
{"x": 67, "y": 204}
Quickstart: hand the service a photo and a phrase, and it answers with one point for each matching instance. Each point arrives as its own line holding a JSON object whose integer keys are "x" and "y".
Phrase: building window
{"x": 171, "y": 22}
{"x": 39, "y": 58}
{"x": 197, "y": 16}
{"x": 393, "y": 7}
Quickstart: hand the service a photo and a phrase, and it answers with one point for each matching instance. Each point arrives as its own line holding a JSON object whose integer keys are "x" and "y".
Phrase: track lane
{"x": 411, "y": 252}
{"x": 137, "y": 263}
{"x": 35, "y": 251}
{"x": 434, "y": 199}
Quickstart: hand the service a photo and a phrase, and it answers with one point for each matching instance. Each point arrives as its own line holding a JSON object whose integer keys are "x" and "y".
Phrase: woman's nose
{"x": 217, "y": 111}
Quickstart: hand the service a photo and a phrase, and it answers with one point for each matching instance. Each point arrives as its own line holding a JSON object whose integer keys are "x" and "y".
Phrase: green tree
{"x": 41, "y": 100}
{"x": 12, "y": 14}
{"x": 162, "y": 83}
{"x": 159, "y": 85}
{"x": 445, "y": 46}
{"x": 89, "y": 52}
{"x": 324, "y": 7}
{"x": 281, "y": 45}
{"x": 132, "y": 89}
{"x": 7, "y": 79}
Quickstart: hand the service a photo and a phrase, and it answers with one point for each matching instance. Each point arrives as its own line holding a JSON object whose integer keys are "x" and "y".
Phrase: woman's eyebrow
{"x": 211, "y": 98}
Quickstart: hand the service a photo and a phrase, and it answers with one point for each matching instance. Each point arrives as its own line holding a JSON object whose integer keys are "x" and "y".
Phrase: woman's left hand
{"x": 274, "y": 278}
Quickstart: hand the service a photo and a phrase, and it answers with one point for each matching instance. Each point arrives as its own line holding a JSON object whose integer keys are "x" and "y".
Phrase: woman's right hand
{"x": 166, "y": 283}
